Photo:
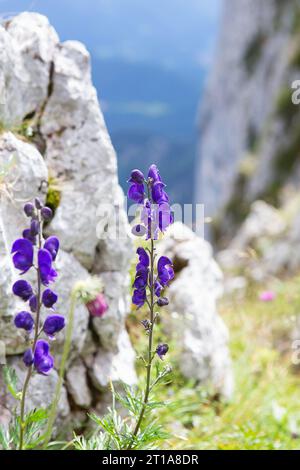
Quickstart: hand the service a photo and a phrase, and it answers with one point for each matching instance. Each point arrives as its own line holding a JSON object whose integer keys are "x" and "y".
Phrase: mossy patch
{"x": 53, "y": 195}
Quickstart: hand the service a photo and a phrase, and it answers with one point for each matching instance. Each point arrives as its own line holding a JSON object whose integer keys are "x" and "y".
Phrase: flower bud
{"x": 53, "y": 324}
{"x": 136, "y": 177}
{"x": 34, "y": 227}
{"x": 162, "y": 350}
{"x": 22, "y": 289}
{"x": 46, "y": 213}
{"x": 28, "y": 358}
{"x": 33, "y": 303}
{"x": 38, "y": 203}
{"x": 29, "y": 209}
{"x": 98, "y": 306}
{"x": 162, "y": 302}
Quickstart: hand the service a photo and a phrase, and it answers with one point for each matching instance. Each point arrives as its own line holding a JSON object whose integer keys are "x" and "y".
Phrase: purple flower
{"x": 53, "y": 324}
{"x": 33, "y": 303}
{"x": 165, "y": 270}
{"x": 136, "y": 177}
{"x": 153, "y": 173}
{"x": 47, "y": 273}
{"x": 24, "y": 320}
{"x": 165, "y": 217}
{"x": 29, "y": 209}
{"x": 162, "y": 302}
{"x": 23, "y": 254}
{"x": 98, "y": 306}
{"x": 28, "y": 357}
{"x": 136, "y": 192}
{"x": 34, "y": 227}
{"x": 46, "y": 213}
{"x": 162, "y": 350}
{"x": 158, "y": 194}
{"x": 49, "y": 298}
{"x": 28, "y": 235}
{"x": 52, "y": 245}
{"x": 139, "y": 297}
{"x": 158, "y": 288}
{"x": 43, "y": 361}
{"x": 143, "y": 259}
{"x": 22, "y": 289}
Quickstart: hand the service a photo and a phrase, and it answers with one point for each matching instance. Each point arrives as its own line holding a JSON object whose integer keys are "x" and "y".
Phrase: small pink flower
{"x": 267, "y": 296}
{"x": 98, "y": 306}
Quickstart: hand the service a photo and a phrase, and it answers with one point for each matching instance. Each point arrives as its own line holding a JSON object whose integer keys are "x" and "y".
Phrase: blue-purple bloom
{"x": 53, "y": 324}
{"x": 52, "y": 245}
{"x": 23, "y": 254}
{"x": 33, "y": 303}
{"x": 22, "y": 289}
{"x": 49, "y": 298}
{"x": 24, "y": 320}
{"x": 162, "y": 350}
{"x": 47, "y": 272}
{"x": 136, "y": 177}
{"x": 165, "y": 270}
{"x": 28, "y": 357}
{"x": 43, "y": 361}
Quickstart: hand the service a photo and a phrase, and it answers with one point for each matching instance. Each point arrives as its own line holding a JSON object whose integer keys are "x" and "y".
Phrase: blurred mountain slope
{"x": 249, "y": 128}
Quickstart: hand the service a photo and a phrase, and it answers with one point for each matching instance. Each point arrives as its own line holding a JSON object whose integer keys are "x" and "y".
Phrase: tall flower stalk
{"x": 151, "y": 277}
{"x": 32, "y": 252}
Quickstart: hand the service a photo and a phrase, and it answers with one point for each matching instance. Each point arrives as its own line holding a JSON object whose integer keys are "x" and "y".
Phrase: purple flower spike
{"x": 162, "y": 350}
{"x": 52, "y": 245}
{"x": 33, "y": 303}
{"x": 47, "y": 273}
{"x": 43, "y": 361}
{"x": 53, "y": 324}
{"x": 49, "y": 298}
{"x": 23, "y": 254}
{"x": 136, "y": 192}
{"x": 28, "y": 358}
{"x": 136, "y": 177}
{"x": 22, "y": 289}
{"x": 24, "y": 320}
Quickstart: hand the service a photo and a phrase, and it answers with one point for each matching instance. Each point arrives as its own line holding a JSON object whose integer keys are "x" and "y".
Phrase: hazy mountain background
{"x": 150, "y": 60}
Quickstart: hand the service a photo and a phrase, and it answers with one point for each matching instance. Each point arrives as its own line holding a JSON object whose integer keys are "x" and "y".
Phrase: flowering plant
{"x": 32, "y": 252}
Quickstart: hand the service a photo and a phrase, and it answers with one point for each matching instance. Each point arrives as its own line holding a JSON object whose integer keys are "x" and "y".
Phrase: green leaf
{"x": 10, "y": 379}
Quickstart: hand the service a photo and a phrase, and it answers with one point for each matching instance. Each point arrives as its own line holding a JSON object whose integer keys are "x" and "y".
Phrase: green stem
{"x": 35, "y": 338}
{"x": 150, "y": 347}
{"x": 65, "y": 354}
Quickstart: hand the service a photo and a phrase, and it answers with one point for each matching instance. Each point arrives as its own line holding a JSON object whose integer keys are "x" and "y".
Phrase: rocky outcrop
{"x": 54, "y": 144}
{"x": 198, "y": 284}
{"x": 249, "y": 127}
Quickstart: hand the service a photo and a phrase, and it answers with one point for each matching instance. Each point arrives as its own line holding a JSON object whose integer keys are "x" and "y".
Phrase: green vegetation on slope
{"x": 265, "y": 410}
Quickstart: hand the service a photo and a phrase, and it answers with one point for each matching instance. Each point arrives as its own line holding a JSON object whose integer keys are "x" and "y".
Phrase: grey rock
{"x": 76, "y": 381}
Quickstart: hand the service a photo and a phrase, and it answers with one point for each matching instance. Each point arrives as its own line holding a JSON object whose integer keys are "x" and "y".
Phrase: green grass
{"x": 264, "y": 380}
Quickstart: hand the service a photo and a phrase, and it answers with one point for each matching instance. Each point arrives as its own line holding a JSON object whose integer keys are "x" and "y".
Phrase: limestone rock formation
{"x": 54, "y": 144}
{"x": 203, "y": 336}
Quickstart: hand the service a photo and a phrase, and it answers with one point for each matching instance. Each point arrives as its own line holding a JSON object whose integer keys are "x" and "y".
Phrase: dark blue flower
{"x": 23, "y": 254}
{"x": 139, "y": 297}
{"x": 158, "y": 288}
{"x": 43, "y": 361}
{"x": 165, "y": 217}
{"x": 24, "y": 320}
{"x": 28, "y": 357}
{"x": 165, "y": 270}
{"x": 162, "y": 350}
{"x": 53, "y": 324}
{"x": 33, "y": 303}
{"x": 52, "y": 245}
{"x": 162, "y": 302}
{"x": 22, "y": 289}
{"x": 34, "y": 227}
{"x": 49, "y": 298}
{"x": 136, "y": 192}
{"x": 158, "y": 194}
{"x": 153, "y": 174}
{"x": 28, "y": 235}
{"x": 47, "y": 273}
{"x": 144, "y": 259}
{"x": 136, "y": 177}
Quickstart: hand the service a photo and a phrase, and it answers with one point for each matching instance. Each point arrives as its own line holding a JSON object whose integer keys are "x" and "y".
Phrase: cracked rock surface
{"x": 53, "y": 133}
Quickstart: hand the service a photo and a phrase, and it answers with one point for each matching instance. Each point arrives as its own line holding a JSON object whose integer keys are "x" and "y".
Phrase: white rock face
{"x": 193, "y": 294}
{"x": 46, "y": 85}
